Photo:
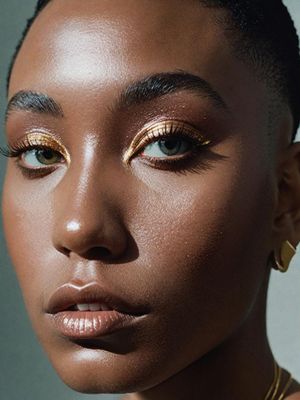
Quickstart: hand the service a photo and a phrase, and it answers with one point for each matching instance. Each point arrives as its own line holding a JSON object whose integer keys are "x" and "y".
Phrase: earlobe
{"x": 286, "y": 224}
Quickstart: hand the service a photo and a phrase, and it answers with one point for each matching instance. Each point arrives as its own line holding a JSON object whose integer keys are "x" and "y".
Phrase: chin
{"x": 97, "y": 372}
{"x": 99, "y": 384}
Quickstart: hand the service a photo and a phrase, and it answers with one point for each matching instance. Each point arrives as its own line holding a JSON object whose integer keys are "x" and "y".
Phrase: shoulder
{"x": 295, "y": 396}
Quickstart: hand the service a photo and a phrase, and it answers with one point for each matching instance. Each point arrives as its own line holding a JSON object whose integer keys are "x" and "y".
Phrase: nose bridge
{"x": 82, "y": 186}
{"x": 84, "y": 176}
{"x": 86, "y": 215}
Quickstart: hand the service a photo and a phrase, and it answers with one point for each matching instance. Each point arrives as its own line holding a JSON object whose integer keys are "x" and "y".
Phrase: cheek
{"x": 201, "y": 217}
{"x": 27, "y": 220}
{"x": 204, "y": 253}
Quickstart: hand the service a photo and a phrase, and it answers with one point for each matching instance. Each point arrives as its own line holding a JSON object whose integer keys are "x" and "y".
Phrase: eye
{"x": 167, "y": 147}
{"x": 165, "y": 143}
{"x": 37, "y": 154}
{"x": 36, "y": 158}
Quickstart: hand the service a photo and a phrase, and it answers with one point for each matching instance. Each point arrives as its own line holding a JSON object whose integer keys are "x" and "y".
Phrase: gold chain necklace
{"x": 273, "y": 390}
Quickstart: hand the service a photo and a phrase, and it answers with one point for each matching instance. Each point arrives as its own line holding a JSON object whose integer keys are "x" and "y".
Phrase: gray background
{"x": 25, "y": 373}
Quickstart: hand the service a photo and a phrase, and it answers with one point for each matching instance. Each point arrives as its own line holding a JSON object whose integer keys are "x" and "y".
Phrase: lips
{"x": 83, "y": 312}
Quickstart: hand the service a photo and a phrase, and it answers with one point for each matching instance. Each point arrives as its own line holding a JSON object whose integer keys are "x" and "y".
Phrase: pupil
{"x": 169, "y": 146}
{"x": 170, "y": 143}
{"x": 47, "y": 154}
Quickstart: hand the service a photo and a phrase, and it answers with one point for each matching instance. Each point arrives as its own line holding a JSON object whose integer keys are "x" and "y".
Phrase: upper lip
{"x": 70, "y": 294}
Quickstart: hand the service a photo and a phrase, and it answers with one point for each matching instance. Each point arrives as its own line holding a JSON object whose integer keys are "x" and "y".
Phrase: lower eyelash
{"x": 32, "y": 173}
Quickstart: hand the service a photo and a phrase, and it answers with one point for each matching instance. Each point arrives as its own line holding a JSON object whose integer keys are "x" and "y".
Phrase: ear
{"x": 286, "y": 223}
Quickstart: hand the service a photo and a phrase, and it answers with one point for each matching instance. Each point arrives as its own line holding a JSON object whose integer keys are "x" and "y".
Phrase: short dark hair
{"x": 263, "y": 34}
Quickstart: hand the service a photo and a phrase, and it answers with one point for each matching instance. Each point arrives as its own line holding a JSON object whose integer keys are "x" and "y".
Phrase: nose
{"x": 87, "y": 222}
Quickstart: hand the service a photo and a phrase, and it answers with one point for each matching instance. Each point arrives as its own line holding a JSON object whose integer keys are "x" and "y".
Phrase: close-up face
{"x": 126, "y": 212}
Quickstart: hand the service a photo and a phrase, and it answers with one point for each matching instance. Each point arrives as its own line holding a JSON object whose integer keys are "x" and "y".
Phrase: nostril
{"x": 95, "y": 253}
{"x": 98, "y": 253}
{"x": 64, "y": 251}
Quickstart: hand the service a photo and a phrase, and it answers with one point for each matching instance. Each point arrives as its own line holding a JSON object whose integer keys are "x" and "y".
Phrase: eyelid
{"x": 32, "y": 140}
{"x": 161, "y": 129}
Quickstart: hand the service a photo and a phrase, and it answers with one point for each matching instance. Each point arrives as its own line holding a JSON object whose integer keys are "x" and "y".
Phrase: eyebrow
{"x": 141, "y": 91}
{"x": 35, "y": 102}
{"x": 157, "y": 85}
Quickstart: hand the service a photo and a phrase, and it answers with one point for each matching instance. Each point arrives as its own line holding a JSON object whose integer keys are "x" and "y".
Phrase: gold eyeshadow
{"x": 162, "y": 129}
{"x": 149, "y": 134}
{"x": 44, "y": 140}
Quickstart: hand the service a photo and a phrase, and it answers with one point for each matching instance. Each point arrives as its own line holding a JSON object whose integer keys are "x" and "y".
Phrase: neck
{"x": 242, "y": 367}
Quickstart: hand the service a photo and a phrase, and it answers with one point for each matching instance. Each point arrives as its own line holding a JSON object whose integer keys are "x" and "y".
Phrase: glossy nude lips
{"x": 89, "y": 311}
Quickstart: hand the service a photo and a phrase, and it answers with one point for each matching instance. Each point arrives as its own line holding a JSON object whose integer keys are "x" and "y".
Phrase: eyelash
{"x": 16, "y": 150}
{"x": 165, "y": 130}
{"x": 161, "y": 130}
{"x": 13, "y": 151}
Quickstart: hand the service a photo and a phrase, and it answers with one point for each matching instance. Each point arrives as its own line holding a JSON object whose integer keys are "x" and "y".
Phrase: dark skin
{"x": 183, "y": 241}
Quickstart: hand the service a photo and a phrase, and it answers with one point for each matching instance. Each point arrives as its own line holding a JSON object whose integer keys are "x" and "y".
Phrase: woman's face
{"x": 179, "y": 229}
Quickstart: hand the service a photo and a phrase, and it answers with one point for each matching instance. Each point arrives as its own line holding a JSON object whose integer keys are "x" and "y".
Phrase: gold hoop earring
{"x": 287, "y": 252}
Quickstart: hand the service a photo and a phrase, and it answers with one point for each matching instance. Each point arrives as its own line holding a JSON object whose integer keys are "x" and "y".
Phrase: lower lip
{"x": 90, "y": 324}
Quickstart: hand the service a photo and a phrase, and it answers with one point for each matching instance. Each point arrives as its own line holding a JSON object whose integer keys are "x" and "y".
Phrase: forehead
{"x": 74, "y": 36}
{"x": 99, "y": 44}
